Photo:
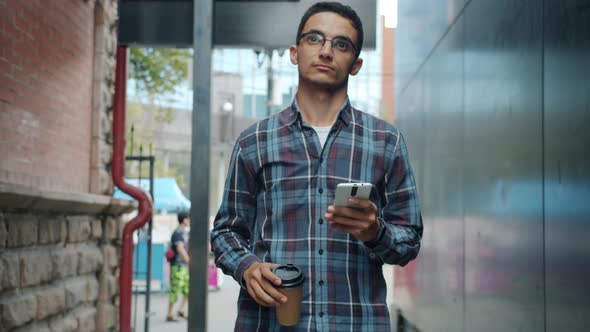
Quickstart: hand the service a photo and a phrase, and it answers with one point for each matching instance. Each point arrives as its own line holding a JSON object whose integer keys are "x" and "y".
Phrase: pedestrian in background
{"x": 179, "y": 273}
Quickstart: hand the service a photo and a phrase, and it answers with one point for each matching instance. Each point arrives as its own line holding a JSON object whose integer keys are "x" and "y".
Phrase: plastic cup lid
{"x": 290, "y": 274}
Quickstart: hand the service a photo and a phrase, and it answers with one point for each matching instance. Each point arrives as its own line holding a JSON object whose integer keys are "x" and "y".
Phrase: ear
{"x": 356, "y": 66}
{"x": 293, "y": 54}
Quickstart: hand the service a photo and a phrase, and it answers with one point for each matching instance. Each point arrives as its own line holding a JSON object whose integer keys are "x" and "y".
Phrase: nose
{"x": 326, "y": 50}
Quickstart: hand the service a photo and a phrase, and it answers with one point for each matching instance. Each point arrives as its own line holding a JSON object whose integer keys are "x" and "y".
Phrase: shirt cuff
{"x": 243, "y": 266}
{"x": 373, "y": 243}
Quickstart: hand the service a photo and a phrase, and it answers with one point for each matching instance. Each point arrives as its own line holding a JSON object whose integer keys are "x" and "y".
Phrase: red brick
{"x": 6, "y": 95}
{"x": 3, "y": 8}
{"x": 3, "y": 24}
{"x": 14, "y": 7}
{"x": 10, "y": 28}
{"x": 48, "y": 69}
{"x": 5, "y": 80}
{"x": 23, "y": 26}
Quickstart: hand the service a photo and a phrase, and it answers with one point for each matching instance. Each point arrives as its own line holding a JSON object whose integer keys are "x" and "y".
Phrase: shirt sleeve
{"x": 176, "y": 238}
{"x": 230, "y": 236}
{"x": 400, "y": 214}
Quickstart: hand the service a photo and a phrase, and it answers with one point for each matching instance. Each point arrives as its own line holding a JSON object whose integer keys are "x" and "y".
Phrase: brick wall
{"x": 105, "y": 43}
{"x": 58, "y": 272}
{"x": 46, "y": 86}
{"x": 59, "y": 227}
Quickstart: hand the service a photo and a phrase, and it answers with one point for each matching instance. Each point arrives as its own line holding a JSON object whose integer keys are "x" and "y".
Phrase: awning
{"x": 167, "y": 194}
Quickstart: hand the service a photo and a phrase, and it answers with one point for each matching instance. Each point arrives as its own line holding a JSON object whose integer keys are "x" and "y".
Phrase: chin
{"x": 328, "y": 84}
{"x": 322, "y": 80}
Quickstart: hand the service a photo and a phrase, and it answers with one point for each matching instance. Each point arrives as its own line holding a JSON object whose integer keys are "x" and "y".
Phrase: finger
{"x": 271, "y": 277}
{"x": 272, "y": 280}
{"x": 260, "y": 295}
{"x": 275, "y": 294}
{"x": 265, "y": 280}
{"x": 339, "y": 211}
{"x": 252, "y": 292}
{"x": 363, "y": 204}
{"x": 253, "y": 295}
{"x": 343, "y": 221}
{"x": 353, "y": 226}
{"x": 343, "y": 215}
{"x": 253, "y": 284}
{"x": 364, "y": 210}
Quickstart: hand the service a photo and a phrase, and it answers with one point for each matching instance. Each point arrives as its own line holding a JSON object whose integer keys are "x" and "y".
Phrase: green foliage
{"x": 158, "y": 71}
{"x": 140, "y": 141}
{"x": 139, "y": 132}
{"x": 155, "y": 73}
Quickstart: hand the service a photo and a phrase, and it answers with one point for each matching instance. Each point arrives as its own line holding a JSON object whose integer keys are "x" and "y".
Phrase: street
{"x": 221, "y": 310}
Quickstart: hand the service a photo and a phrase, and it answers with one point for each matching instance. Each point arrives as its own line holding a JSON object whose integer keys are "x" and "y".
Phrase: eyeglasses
{"x": 317, "y": 39}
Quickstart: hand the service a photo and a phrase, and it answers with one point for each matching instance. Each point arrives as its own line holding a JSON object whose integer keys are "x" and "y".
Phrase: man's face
{"x": 325, "y": 65}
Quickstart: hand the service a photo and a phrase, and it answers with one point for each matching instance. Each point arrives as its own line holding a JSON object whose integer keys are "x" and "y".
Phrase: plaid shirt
{"x": 279, "y": 185}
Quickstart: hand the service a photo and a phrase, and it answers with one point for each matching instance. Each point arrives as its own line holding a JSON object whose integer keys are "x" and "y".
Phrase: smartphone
{"x": 346, "y": 190}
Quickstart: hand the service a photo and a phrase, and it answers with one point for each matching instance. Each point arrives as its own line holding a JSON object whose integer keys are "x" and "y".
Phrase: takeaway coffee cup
{"x": 291, "y": 286}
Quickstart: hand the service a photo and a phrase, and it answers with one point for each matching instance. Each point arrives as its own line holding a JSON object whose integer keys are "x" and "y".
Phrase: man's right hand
{"x": 260, "y": 281}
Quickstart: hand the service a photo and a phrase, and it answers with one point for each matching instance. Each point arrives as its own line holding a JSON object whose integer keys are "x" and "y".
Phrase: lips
{"x": 323, "y": 67}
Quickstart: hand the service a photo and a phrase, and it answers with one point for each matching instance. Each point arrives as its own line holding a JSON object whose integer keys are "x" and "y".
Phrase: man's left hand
{"x": 359, "y": 218}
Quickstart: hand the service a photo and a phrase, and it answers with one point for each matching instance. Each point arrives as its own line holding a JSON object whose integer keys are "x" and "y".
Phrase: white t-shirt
{"x": 322, "y": 133}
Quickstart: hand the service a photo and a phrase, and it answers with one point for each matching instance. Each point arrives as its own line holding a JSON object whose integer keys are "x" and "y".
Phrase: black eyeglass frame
{"x": 315, "y": 32}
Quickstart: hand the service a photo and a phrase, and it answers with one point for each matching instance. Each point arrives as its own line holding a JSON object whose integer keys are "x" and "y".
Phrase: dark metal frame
{"x": 151, "y": 158}
{"x": 200, "y": 154}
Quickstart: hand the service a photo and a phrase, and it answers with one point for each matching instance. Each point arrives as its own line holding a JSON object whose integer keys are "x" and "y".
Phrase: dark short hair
{"x": 337, "y": 8}
{"x": 182, "y": 215}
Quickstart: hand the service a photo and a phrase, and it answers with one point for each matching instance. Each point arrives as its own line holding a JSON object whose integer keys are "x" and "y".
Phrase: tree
{"x": 141, "y": 130}
{"x": 156, "y": 74}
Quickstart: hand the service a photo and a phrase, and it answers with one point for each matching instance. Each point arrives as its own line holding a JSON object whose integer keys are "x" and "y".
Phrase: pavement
{"x": 217, "y": 320}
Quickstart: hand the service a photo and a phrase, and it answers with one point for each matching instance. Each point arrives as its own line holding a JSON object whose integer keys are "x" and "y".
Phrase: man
{"x": 277, "y": 206}
{"x": 179, "y": 274}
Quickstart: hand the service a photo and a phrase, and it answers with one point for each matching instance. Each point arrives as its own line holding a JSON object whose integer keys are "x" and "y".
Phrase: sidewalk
{"x": 221, "y": 310}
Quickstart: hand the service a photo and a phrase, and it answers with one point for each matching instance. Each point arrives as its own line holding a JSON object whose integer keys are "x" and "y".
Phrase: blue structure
{"x": 167, "y": 194}
{"x": 167, "y": 197}
{"x": 158, "y": 261}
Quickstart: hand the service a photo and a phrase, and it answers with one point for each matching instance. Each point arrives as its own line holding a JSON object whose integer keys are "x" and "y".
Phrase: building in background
{"x": 60, "y": 230}
{"x": 171, "y": 141}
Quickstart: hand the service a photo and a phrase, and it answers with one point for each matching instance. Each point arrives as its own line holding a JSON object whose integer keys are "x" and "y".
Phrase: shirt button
{"x": 321, "y": 221}
{"x": 321, "y": 251}
{"x": 321, "y": 160}
{"x": 321, "y": 282}
{"x": 321, "y": 190}
{"x": 372, "y": 255}
{"x": 322, "y": 314}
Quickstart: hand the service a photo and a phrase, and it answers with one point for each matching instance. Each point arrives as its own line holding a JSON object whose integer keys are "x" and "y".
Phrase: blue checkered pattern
{"x": 279, "y": 186}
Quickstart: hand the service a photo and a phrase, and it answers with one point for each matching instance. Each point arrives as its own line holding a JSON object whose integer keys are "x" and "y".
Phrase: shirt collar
{"x": 294, "y": 114}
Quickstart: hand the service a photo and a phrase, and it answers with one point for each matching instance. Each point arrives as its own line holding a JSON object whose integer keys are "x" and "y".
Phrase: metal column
{"x": 200, "y": 159}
